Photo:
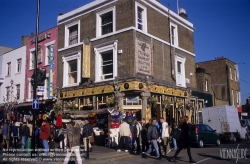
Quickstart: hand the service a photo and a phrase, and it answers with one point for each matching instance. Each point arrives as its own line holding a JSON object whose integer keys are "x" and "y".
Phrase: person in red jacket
{"x": 44, "y": 136}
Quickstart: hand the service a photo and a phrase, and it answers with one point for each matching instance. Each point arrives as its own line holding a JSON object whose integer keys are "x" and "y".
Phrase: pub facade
{"x": 135, "y": 57}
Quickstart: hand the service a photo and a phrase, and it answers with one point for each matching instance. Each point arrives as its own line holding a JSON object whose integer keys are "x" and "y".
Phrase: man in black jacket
{"x": 87, "y": 133}
{"x": 184, "y": 141}
{"x": 153, "y": 137}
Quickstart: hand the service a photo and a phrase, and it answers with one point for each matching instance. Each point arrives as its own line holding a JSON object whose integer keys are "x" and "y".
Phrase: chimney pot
{"x": 182, "y": 13}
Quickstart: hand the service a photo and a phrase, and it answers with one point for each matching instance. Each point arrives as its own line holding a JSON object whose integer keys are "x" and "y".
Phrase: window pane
{"x": 179, "y": 67}
{"x": 72, "y": 72}
{"x": 107, "y": 65}
{"x": 173, "y": 34}
{"x": 107, "y": 23}
{"x": 73, "y": 34}
{"x": 139, "y": 18}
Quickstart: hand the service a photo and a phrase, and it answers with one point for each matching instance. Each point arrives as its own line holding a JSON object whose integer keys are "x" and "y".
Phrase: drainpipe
{"x": 171, "y": 63}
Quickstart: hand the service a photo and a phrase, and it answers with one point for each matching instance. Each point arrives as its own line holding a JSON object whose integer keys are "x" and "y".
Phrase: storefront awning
{"x": 84, "y": 112}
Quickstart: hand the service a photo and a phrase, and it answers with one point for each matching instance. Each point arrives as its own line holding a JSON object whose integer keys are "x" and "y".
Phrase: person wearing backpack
{"x": 25, "y": 133}
{"x": 174, "y": 133}
{"x": 87, "y": 132}
{"x": 73, "y": 136}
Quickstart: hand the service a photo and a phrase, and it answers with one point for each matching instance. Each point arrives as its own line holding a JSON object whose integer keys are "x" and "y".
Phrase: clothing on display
{"x": 59, "y": 120}
{"x": 114, "y": 135}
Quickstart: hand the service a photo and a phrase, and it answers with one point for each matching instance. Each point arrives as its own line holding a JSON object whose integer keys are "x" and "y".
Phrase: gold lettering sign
{"x": 86, "y": 61}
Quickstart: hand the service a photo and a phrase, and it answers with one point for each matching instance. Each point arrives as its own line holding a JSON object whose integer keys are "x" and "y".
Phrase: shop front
{"x": 107, "y": 105}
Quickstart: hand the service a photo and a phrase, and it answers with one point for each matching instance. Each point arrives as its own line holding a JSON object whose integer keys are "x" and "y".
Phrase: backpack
{"x": 59, "y": 138}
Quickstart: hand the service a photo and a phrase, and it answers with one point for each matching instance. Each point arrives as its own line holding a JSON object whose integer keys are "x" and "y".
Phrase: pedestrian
{"x": 144, "y": 135}
{"x": 63, "y": 140}
{"x": 153, "y": 137}
{"x": 44, "y": 136}
{"x": 52, "y": 138}
{"x": 25, "y": 133}
{"x": 14, "y": 132}
{"x": 87, "y": 133}
{"x": 165, "y": 136}
{"x": 37, "y": 135}
{"x": 174, "y": 131}
{"x": 124, "y": 132}
{"x": 184, "y": 141}
{"x": 73, "y": 136}
{"x": 5, "y": 134}
{"x": 136, "y": 137}
{"x": 29, "y": 124}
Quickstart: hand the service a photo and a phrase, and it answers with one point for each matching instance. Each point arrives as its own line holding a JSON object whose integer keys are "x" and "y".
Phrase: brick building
{"x": 135, "y": 55}
{"x": 46, "y": 59}
{"x": 219, "y": 77}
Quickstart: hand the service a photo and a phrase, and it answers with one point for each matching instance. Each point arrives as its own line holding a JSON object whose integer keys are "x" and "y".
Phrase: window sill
{"x": 18, "y": 73}
{"x": 7, "y": 76}
{"x": 31, "y": 69}
{"x": 99, "y": 81}
{"x": 71, "y": 85}
{"x": 46, "y": 65}
{"x": 71, "y": 46}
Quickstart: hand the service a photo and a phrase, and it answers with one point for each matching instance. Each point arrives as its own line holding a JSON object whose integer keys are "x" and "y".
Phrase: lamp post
{"x": 35, "y": 76}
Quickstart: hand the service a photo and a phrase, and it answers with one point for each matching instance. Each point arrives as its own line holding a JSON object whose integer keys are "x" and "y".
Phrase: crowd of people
{"x": 148, "y": 138}
{"x": 69, "y": 136}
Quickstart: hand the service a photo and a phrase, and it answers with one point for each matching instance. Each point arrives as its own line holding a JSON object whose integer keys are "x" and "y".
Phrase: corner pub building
{"x": 135, "y": 57}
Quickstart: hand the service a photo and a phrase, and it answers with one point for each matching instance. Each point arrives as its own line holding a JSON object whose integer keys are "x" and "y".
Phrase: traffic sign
{"x": 40, "y": 90}
{"x": 35, "y": 104}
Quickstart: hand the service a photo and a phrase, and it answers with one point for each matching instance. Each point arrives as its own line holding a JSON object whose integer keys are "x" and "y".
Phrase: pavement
{"x": 207, "y": 155}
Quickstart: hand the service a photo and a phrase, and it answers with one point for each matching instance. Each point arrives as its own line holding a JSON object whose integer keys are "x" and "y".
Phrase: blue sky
{"x": 222, "y": 27}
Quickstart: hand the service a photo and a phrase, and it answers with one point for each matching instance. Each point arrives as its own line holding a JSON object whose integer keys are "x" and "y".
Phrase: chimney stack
{"x": 182, "y": 13}
{"x": 24, "y": 40}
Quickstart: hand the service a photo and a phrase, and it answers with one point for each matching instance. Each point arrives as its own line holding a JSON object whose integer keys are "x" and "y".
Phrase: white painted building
{"x": 13, "y": 70}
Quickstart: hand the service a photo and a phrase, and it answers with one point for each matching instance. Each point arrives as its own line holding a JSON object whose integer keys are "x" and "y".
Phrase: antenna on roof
{"x": 177, "y": 7}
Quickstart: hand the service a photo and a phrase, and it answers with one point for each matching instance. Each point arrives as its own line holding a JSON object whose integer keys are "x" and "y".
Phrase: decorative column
{"x": 118, "y": 95}
{"x": 145, "y": 96}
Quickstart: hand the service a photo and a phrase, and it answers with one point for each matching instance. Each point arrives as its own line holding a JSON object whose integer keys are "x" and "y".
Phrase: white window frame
{"x": 206, "y": 87}
{"x": 144, "y": 17}
{"x": 30, "y": 89}
{"x": 176, "y": 40}
{"x": 182, "y": 60}
{"x": 17, "y": 65}
{"x": 230, "y": 71}
{"x": 66, "y": 59}
{"x": 66, "y": 39}
{"x": 8, "y": 70}
{"x": 99, "y": 21}
{"x": 30, "y": 61}
{"x": 7, "y": 93}
{"x": 235, "y": 75}
{"x": 17, "y": 91}
{"x": 232, "y": 94}
{"x": 98, "y": 52}
{"x": 237, "y": 97}
{"x": 47, "y": 51}
{"x": 46, "y": 87}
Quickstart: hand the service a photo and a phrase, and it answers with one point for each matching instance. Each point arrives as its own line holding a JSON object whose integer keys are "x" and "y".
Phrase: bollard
{"x": 87, "y": 155}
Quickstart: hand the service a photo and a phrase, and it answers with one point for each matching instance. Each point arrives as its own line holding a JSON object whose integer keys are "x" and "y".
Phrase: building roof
{"x": 217, "y": 59}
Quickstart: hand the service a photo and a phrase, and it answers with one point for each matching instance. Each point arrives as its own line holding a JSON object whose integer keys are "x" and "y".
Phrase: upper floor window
{"x": 235, "y": 75}
{"x": 173, "y": 34}
{"x": 7, "y": 94}
{"x": 180, "y": 71}
{"x": 18, "y": 91}
{"x": 106, "y": 62}
{"x": 232, "y": 94}
{"x": 230, "y": 71}
{"x": 8, "y": 69}
{"x": 32, "y": 60}
{"x": 237, "y": 97}
{"x": 19, "y": 65}
{"x": 141, "y": 17}
{"x": 49, "y": 53}
{"x": 206, "y": 88}
{"x": 71, "y": 70}
{"x": 105, "y": 21}
{"x": 72, "y": 34}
